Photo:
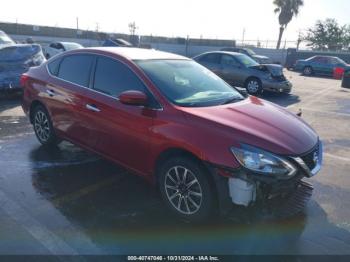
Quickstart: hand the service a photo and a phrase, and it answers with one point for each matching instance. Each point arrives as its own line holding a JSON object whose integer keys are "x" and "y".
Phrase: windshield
{"x": 340, "y": 61}
{"x": 246, "y": 60}
{"x": 250, "y": 52}
{"x": 186, "y": 83}
{"x": 5, "y": 39}
{"x": 72, "y": 46}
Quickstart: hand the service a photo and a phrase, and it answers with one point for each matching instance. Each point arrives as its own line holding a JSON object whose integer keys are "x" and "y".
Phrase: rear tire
{"x": 308, "y": 71}
{"x": 186, "y": 189}
{"x": 253, "y": 86}
{"x": 43, "y": 127}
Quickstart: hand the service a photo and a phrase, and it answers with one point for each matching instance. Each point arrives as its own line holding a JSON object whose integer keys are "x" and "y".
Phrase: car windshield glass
{"x": 72, "y": 46}
{"x": 186, "y": 83}
{"x": 246, "y": 60}
{"x": 340, "y": 61}
{"x": 250, "y": 52}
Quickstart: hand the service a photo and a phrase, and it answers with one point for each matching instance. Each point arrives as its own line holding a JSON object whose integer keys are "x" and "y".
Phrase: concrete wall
{"x": 44, "y": 40}
{"x": 190, "y": 50}
{"x": 277, "y": 56}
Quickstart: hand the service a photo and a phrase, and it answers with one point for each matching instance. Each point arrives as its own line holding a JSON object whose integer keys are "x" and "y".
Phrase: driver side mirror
{"x": 133, "y": 98}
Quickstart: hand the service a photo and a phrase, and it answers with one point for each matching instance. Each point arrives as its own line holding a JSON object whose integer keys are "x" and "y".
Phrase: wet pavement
{"x": 68, "y": 201}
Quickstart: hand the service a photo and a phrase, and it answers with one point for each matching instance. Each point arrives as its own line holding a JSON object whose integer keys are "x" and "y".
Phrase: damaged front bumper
{"x": 288, "y": 196}
{"x": 280, "y": 86}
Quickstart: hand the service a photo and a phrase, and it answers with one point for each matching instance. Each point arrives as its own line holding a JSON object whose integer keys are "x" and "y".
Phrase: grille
{"x": 311, "y": 158}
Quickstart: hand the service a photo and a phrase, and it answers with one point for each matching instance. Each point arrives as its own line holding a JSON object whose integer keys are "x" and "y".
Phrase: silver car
{"x": 242, "y": 71}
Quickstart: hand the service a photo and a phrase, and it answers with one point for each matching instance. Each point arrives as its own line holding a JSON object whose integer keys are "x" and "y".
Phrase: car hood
{"x": 275, "y": 70}
{"x": 258, "y": 123}
{"x": 260, "y": 56}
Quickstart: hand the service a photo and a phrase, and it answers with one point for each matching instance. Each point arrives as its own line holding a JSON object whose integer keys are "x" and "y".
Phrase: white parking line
{"x": 337, "y": 157}
{"x": 54, "y": 244}
{"x": 325, "y": 112}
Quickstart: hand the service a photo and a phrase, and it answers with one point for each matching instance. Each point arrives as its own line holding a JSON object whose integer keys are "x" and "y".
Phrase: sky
{"x": 222, "y": 19}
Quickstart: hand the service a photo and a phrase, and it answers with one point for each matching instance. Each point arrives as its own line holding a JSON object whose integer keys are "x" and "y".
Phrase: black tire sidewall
{"x": 207, "y": 208}
{"x": 53, "y": 140}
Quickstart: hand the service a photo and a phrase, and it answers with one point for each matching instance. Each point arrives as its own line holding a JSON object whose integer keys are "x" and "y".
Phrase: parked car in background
{"x": 242, "y": 71}
{"x": 16, "y": 59}
{"x": 59, "y": 47}
{"x": 258, "y": 58}
{"x": 320, "y": 65}
{"x": 116, "y": 42}
{"x": 346, "y": 79}
{"x": 175, "y": 123}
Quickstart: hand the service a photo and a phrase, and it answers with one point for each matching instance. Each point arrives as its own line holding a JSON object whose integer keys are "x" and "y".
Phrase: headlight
{"x": 263, "y": 162}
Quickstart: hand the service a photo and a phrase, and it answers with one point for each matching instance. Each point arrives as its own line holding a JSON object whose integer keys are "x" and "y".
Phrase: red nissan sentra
{"x": 172, "y": 121}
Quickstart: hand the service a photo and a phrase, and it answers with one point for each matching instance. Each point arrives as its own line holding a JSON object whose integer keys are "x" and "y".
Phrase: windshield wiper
{"x": 231, "y": 100}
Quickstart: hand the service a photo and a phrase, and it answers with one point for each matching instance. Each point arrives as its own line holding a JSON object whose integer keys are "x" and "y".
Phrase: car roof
{"x": 325, "y": 56}
{"x": 133, "y": 53}
{"x": 222, "y": 52}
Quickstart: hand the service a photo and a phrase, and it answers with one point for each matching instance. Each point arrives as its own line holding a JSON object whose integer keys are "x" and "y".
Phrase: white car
{"x": 59, "y": 47}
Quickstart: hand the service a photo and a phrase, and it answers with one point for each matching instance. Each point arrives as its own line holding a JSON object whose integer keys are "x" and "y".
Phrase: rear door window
{"x": 211, "y": 58}
{"x": 229, "y": 61}
{"x": 113, "y": 77}
{"x": 76, "y": 69}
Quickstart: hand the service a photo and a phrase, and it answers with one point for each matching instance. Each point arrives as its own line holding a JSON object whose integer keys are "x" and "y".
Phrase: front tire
{"x": 186, "y": 190}
{"x": 308, "y": 71}
{"x": 253, "y": 86}
{"x": 43, "y": 127}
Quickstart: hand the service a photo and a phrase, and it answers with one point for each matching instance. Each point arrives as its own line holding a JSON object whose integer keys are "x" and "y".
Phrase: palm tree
{"x": 286, "y": 9}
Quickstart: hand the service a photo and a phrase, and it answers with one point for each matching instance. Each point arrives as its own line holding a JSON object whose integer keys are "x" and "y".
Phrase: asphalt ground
{"x": 67, "y": 201}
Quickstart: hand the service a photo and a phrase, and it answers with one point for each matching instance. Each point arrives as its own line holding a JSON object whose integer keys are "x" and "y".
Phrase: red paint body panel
{"x": 135, "y": 136}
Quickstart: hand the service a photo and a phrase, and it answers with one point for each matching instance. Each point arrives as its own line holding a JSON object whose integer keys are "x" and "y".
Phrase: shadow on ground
{"x": 9, "y": 101}
{"x": 281, "y": 99}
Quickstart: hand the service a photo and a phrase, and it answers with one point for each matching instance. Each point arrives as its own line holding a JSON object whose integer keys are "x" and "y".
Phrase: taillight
{"x": 23, "y": 80}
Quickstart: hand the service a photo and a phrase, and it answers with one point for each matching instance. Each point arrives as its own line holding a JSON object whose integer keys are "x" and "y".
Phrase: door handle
{"x": 92, "y": 108}
{"x": 50, "y": 92}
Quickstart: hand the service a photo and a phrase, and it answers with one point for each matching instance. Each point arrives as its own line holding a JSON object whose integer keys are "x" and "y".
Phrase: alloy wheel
{"x": 307, "y": 71}
{"x": 41, "y": 126}
{"x": 253, "y": 86}
{"x": 183, "y": 190}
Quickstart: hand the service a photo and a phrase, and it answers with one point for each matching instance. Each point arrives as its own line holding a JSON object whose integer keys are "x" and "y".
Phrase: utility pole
{"x": 243, "y": 35}
{"x": 77, "y": 20}
{"x": 132, "y": 29}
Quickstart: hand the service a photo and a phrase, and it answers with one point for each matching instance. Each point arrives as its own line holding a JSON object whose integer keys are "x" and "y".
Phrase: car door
{"x": 321, "y": 65}
{"x": 232, "y": 71}
{"x": 65, "y": 94}
{"x": 118, "y": 131}
{"x": 212, "y": 61}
